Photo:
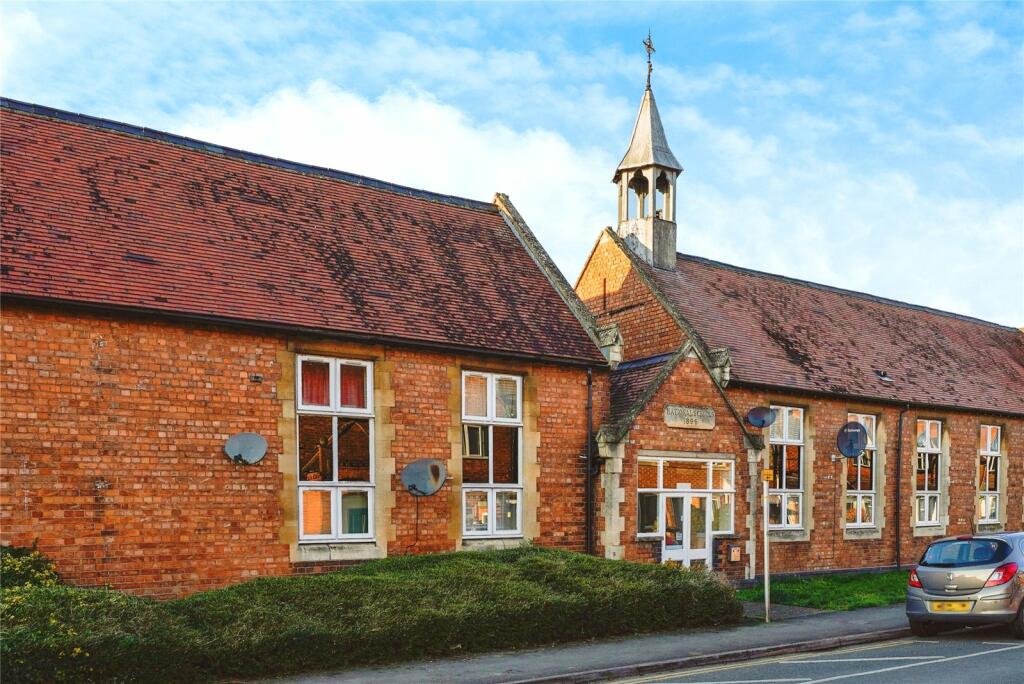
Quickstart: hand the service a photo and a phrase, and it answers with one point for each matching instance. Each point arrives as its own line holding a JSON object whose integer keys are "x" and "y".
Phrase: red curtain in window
{"x": 316, "y": 383}
{"x": 353, "y": 386}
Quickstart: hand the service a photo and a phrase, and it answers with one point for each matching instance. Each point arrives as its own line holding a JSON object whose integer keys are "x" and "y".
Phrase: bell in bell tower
{"x": 646, "y": 178}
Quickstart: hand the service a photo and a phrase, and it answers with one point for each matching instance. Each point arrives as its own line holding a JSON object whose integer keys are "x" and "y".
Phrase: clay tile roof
{"x": 630, "y": 383}
{"x": 789, "y": 333}
{"x": 104, "y": 213}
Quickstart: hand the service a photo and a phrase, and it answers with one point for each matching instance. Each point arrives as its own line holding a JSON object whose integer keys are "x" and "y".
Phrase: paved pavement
{"x": 979, "y": 656}
{"x": 634, "y": 654}
{"x": 755, "y": 610}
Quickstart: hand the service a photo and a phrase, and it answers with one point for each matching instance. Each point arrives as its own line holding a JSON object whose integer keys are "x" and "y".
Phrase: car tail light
{"x": 914, "y": 581}
{"x": 1001, "y": 575}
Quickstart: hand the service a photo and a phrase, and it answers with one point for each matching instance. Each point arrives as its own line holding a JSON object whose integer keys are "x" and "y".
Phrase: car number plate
{"x": 951, "y": 606}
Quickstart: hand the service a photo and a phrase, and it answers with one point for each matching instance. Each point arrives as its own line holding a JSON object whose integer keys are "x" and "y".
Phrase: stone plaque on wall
{"x": 691, "y": 417}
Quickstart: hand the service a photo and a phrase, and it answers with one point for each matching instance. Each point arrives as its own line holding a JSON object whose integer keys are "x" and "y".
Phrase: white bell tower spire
{"x": 646, "y": 178}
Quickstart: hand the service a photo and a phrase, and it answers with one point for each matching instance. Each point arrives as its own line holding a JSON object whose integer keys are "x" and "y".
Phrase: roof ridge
{"x": 645, "y": 362}
{"x": 234, "y": 153}
{"x": 840, "y": 290}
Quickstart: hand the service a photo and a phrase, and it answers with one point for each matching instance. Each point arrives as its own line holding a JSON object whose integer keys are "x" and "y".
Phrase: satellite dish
{"x": 424, "y": 477}
{"x": 760, "y": 416}
{"x": 852, "y": 439}
{"x": 246, "y": 448}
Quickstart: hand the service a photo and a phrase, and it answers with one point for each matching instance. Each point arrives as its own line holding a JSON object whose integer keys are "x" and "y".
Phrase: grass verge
{"x": 835, "y": 592}
{"x": 410, "y": 607}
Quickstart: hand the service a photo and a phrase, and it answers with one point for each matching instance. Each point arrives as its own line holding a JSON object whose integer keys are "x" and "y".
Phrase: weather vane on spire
{"x": 649, "y": 46}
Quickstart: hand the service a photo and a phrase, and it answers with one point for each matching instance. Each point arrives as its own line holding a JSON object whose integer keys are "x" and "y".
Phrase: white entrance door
{"x": 687, "y": 530}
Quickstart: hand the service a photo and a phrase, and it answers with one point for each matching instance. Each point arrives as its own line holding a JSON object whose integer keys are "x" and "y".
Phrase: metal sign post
{"x": 762, "y": 417}
{"x": 765, "y": 477}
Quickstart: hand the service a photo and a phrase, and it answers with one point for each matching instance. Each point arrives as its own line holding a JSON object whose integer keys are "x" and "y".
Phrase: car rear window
{"x": 957, "y": 553}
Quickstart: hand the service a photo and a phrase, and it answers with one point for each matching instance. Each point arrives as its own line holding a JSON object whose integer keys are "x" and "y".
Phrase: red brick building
{"x": 162, "y": 294}
{"x": 941, "y": 397}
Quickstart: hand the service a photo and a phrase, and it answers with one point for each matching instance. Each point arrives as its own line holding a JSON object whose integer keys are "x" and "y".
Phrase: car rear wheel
{"x": 1017, "y": 626}
{"x": 923, "y": 629}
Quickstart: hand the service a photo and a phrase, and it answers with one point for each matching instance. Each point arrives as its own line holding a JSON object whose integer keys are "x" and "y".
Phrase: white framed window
{"x": 658, "y": 477}
{"x": 927, "y": 480}
{"x": 329, "y": 385}
{"x": 334, "y": 434}
{"x": 786, "y": 450}
{"x": 988, "y": 474}
{"x": 492, "y": 454}
{"x": 860, "y": 477}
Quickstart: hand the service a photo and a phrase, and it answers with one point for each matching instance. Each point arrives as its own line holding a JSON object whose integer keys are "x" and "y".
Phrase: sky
{"x": 872, "y": 146}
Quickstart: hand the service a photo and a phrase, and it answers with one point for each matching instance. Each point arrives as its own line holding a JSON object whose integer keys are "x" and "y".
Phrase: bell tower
{"x": 646, "y": 178}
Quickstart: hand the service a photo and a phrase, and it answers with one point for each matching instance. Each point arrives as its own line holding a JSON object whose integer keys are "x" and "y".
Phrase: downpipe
{"x": 899, "y": 484}
{"x": 589, "y": 466}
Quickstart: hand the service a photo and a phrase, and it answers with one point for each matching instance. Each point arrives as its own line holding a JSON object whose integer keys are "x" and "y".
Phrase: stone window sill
{"x": 361, "y": 549}
{"x": 929, "y": 530}
{"x": 789, "y": 535}
{"x": 488, "y": 543}
{"x": 854, "y": 533}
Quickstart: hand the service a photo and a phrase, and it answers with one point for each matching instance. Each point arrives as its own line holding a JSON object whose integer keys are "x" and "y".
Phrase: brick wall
{"x": 689, "y": 384}
{"x": 614, "y": 293}
{"x": 828, "y": 546}
{"x": 113, "y": 435}
{"x": 113, "y": 431}
{"x": 562, "y": 424}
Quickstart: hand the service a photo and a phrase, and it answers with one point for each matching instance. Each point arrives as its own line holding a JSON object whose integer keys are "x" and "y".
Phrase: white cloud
{"x": 824, "y": 222}
{"x": 722, "y": 77}
{"x": 20, "y": 33}
{"x": 745, "y": 199}
{"x": 967, "y": 42}
{"x": 1003, "y": 148}
{"x": 393, "y": 54}
{"x": 904, "y": 17}
{"x": 744, "y": 156}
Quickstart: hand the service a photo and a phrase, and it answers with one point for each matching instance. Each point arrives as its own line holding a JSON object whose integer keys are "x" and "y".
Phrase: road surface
{"x": 980, "y": 656}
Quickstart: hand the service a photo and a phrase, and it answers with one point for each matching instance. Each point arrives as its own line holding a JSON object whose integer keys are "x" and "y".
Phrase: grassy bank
{"x": 835, "y": 592}
{"x": 395, "y": 609}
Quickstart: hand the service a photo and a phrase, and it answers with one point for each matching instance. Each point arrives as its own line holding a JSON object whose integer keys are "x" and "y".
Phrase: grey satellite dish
{"x": 424, "y": 477}
{"x": 852, "y": 439}
{"x": 246, "y": 448}
{"x": 760, "y": 416}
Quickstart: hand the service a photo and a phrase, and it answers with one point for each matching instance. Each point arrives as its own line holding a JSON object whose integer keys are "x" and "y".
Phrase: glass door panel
{"x": 698, "y": 536}
{"x": 675, "y": 525}
{"x": 687, "y": 530}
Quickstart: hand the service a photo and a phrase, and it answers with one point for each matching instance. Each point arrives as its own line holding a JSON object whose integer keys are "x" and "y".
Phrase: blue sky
{"x": 874, "y": 146}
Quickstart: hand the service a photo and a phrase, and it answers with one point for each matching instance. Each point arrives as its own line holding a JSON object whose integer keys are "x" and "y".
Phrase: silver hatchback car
{"x": 970, "y": 580}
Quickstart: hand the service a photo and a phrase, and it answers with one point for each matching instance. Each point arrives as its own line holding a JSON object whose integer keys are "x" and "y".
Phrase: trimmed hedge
{"x": 26, "y": 567}
{"x": 401, "y": 608}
